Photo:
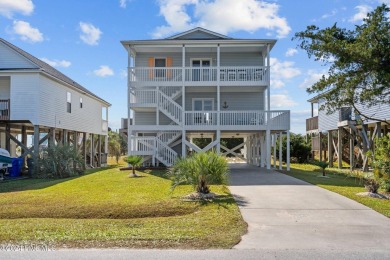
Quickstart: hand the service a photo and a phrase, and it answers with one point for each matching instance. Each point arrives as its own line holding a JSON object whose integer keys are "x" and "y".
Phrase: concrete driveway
{"x": 286, "y": 213}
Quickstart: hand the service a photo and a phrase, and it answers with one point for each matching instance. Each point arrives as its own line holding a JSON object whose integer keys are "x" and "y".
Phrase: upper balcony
{"x": 193, "y": 76}
{"x": 312, "y": 124}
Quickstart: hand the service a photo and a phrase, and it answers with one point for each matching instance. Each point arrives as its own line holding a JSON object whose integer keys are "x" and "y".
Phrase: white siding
{"x": 11, "y": 60}
{"x": 145, "y": 118}
{"x": 227, "y": 58}
{"x": 378, "y": 111}
{"x": 5, "y": 89}
{"x": 25, "y": 97}
{"x": 329, "y": 122}
{"x": 243, "y": 100}
{"x": 52, "y": 108}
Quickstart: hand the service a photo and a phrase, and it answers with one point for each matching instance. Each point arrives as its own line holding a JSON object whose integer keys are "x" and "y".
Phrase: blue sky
{"x": 82, "y": 38}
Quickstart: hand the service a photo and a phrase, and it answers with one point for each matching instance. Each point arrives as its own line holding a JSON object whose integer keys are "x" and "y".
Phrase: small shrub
{"x": 322, "y": 165}
{"x": 60, "y": 161}
{"x": 371, "y": 185}
{"x": 200, "y": 170}
{"x": 135, "y": 161}
{"x": 381, "y": 161}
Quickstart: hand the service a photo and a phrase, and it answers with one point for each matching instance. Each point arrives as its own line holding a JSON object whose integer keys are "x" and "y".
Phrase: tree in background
{"x": 381, "y": 161}
{"x": 359, "y": 61}
{"x": 116, "y": 145}
{"x": 299, "y": 149}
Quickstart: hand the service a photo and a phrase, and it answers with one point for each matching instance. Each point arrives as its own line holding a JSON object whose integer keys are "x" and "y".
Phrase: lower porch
{"x": 257, "y": 148}
{"x": 24, "y": 140}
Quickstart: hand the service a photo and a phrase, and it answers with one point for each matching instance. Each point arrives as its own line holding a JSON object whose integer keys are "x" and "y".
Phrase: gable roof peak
{"x": 198, "y": 29}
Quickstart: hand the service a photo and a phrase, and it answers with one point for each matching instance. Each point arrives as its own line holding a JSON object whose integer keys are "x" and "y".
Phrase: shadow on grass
{"x": 315, "y": 177}
{"x": 41, "y": 183}
{"x": 158, "y": 173}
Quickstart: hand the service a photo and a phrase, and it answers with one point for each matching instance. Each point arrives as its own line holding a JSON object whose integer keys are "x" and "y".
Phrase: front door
{"x": 203, "y": 108}
{"x": 201, "y": 69}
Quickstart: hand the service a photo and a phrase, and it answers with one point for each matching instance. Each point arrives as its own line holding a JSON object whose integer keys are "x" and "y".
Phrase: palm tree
{"x": 134, "y": 161}
{"x": 200, "y": 170}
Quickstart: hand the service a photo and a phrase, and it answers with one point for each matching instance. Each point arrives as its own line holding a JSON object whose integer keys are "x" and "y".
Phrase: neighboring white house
{"x": 201, "y": 84}
{"x": 37, "y": 100}
{"x": 346, "y": 133}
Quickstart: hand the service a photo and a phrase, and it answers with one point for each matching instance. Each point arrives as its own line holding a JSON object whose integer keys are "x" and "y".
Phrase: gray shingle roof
{"x": 43, "y": 66}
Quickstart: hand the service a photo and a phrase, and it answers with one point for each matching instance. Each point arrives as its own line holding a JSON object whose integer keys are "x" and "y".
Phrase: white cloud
{"x": 327, "y": 15}
{"x": 104, "y": 71}
{"x": 291, "y": 52}
{"x": 281, "y": 71}
{"x": 222, "y": 16}
{"x": 384, "y": 2}
{"x": 123, "y": 3}
{"x": 26, "y": 32}
{"x": 9, "y": 7}
{"x": 57, "y": 63}
{"x": 282, "y": 100}
{"x": 312, "y": 77}
{"x": 361, "y": 14}
{"x": 90, "y": 34}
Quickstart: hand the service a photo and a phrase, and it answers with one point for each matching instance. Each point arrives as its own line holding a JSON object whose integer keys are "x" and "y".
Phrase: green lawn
{"x": 341, "y": 182}
{"x": 105, "y": 208}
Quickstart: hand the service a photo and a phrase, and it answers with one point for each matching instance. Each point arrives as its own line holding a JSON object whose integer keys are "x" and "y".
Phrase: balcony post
{"x": 268, "y": 81}
{"x": 280, "y": 151}
{"x": 218, "y": 86}
{"x": 268, "y": 148}
{"x": 288, "y": 151}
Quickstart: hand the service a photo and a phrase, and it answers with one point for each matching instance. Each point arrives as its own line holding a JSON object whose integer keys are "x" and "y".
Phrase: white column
{"x": 268, "y": 80}
{"x": 288, "y": 151}
{"x": 218, "y": 86}
{"x": 218, "y": 147}
{"x": 183, "y": 144}
{"x": 274, "y": 143}
{"x": 280, "y": 151}
{"x": 268, "y": 148}
{"x": 262, "y": 156}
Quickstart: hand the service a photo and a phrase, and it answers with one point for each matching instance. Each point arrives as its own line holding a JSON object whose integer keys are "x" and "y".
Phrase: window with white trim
{"x": 68, "y": 102}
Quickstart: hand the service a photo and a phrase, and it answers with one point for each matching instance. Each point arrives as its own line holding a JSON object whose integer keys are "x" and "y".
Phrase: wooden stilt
{"x": 36, "y": 149}
{"x": 99, "y": 152}
{"x": 351, "y": 150}
{"x": 340, "y": 148}
{"x": 330, "y": 148}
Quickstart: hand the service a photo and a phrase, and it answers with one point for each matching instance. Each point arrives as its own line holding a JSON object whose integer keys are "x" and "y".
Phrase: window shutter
{"x": 169, "y": 64}
{"x": 151, "y": 66}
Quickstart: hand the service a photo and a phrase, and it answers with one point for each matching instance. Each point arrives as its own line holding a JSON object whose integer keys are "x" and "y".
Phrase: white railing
{"x": 143, "y": 96}
{"x": 201, "y": 74}
{"x": 104, "y": 126}
{"x": 142, "y": 145}
{"x": 193, "y": 74}
{"x": 244, "y": 74}
{"x": 168, "y": 136}
{"x": 165, "y": 74}
{"x": 242, "y": 118}
{"x": 170, "y": 107}
{"x": 170, "y": 91}
{"x": 201, "y": 117}
{"x": 165, "y": 154}
{"x": 279, "y": 119}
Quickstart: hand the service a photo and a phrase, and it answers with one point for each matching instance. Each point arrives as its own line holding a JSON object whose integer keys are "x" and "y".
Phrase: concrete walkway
{"x": 286, "y": 213}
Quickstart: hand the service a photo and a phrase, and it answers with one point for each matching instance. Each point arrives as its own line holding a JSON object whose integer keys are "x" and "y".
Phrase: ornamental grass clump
{"x": 200, "y": 170}
{"x": 135, "y": 161}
